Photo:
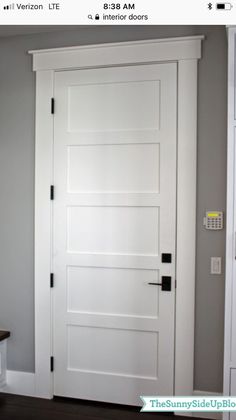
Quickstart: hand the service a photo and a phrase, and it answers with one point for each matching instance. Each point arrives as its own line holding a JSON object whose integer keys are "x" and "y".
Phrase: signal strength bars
{"x": 9, "y": 7}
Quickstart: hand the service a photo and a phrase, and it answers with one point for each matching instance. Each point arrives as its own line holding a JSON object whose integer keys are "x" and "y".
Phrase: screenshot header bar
{"x": 137, "y": 12}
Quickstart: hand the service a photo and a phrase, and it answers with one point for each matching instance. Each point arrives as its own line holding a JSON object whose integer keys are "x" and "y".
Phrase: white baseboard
{"x": 20, "y": 383}
{"x": 23, "y": 383}
{"x": 207, "y": 415}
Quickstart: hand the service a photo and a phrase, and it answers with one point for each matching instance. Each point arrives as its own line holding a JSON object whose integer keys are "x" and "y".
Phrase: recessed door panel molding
{"x": 113, "y": 291}
{"x": 133, "y": 168}
{"x": 112, "y": 106}
{"x": 113, "y": 230}
{"x": 111, "y": 352}
{"x": 136, "y": 106}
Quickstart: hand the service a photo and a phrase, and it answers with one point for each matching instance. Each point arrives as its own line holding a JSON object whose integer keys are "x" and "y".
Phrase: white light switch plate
{"x": 215, "y": 265}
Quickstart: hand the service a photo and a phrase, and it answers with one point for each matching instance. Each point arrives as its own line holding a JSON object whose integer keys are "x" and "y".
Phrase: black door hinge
{"x": 52, "y": 105}
{"x": 175, "y": 283}
{"x": 52, "y": 192}
{"x": 51, "y": 280}
{"x": 51, "y": 363}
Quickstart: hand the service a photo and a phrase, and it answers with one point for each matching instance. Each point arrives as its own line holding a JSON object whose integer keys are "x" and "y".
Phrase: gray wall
{"x": 17, "y": 84}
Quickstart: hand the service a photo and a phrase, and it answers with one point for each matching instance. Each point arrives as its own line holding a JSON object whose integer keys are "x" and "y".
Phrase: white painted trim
{"x": 122, "y": 44}
{"x": 20, "y": 383}
{"x": 43, "y": 180}
{"x": 207, "y": 415}
{"x": 230, "y": 219}
{"x": 3, "y": 362}
{"x": 186, "y": 204}
{"x": 154, "y": 50}
{"x": 119, "y": 54}
{"x": 23, "y": 383}
{"x": 198, "y": 414}
{"x": 230, "y": 213}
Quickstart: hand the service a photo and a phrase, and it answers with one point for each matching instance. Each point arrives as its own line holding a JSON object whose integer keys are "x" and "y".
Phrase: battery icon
{"x": 224, "y": 6}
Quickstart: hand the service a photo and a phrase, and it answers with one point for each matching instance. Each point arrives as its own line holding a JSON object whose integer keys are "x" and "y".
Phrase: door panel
{"x": 89, "y": 165}
{"x": 108, "y": 286}
{"x": 114, "y": 214}
{"x": 113, "y": 106}
{"x": 122, "y": 230}
{"x": 111, "y": 345}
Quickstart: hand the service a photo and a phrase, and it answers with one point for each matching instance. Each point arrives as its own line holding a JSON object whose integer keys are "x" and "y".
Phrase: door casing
{"x": 185, "y": 52}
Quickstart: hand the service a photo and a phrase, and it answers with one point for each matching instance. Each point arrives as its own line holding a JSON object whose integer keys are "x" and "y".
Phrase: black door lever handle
{"x": 165, "y": 284}
{"x": 156, "y": 284}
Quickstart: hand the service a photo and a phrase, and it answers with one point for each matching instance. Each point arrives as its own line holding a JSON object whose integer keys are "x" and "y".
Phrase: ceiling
{"x": 12, "y": 30}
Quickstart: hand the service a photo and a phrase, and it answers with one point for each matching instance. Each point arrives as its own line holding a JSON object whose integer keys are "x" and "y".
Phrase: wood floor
{"x": 26, "y": 408}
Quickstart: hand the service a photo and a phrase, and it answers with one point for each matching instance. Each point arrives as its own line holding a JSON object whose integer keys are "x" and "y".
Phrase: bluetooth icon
{"x": 209, "y": 6}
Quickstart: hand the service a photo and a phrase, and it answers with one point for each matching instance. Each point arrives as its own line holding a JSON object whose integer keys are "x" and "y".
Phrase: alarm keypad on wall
{"x": 213, "y": 220}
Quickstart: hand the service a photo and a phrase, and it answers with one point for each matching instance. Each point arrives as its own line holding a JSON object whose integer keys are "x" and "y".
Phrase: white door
{"x": 114, "y": 216}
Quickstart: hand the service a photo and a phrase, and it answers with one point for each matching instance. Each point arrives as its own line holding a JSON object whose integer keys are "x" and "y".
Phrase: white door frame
{"x": 186, "y": 52}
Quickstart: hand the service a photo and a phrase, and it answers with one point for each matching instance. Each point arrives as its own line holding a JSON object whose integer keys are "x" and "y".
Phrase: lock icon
{"x": 97, "y": 17}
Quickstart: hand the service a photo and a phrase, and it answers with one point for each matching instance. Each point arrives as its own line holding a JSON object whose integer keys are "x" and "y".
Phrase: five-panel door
{"x": 114, "y": 215}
